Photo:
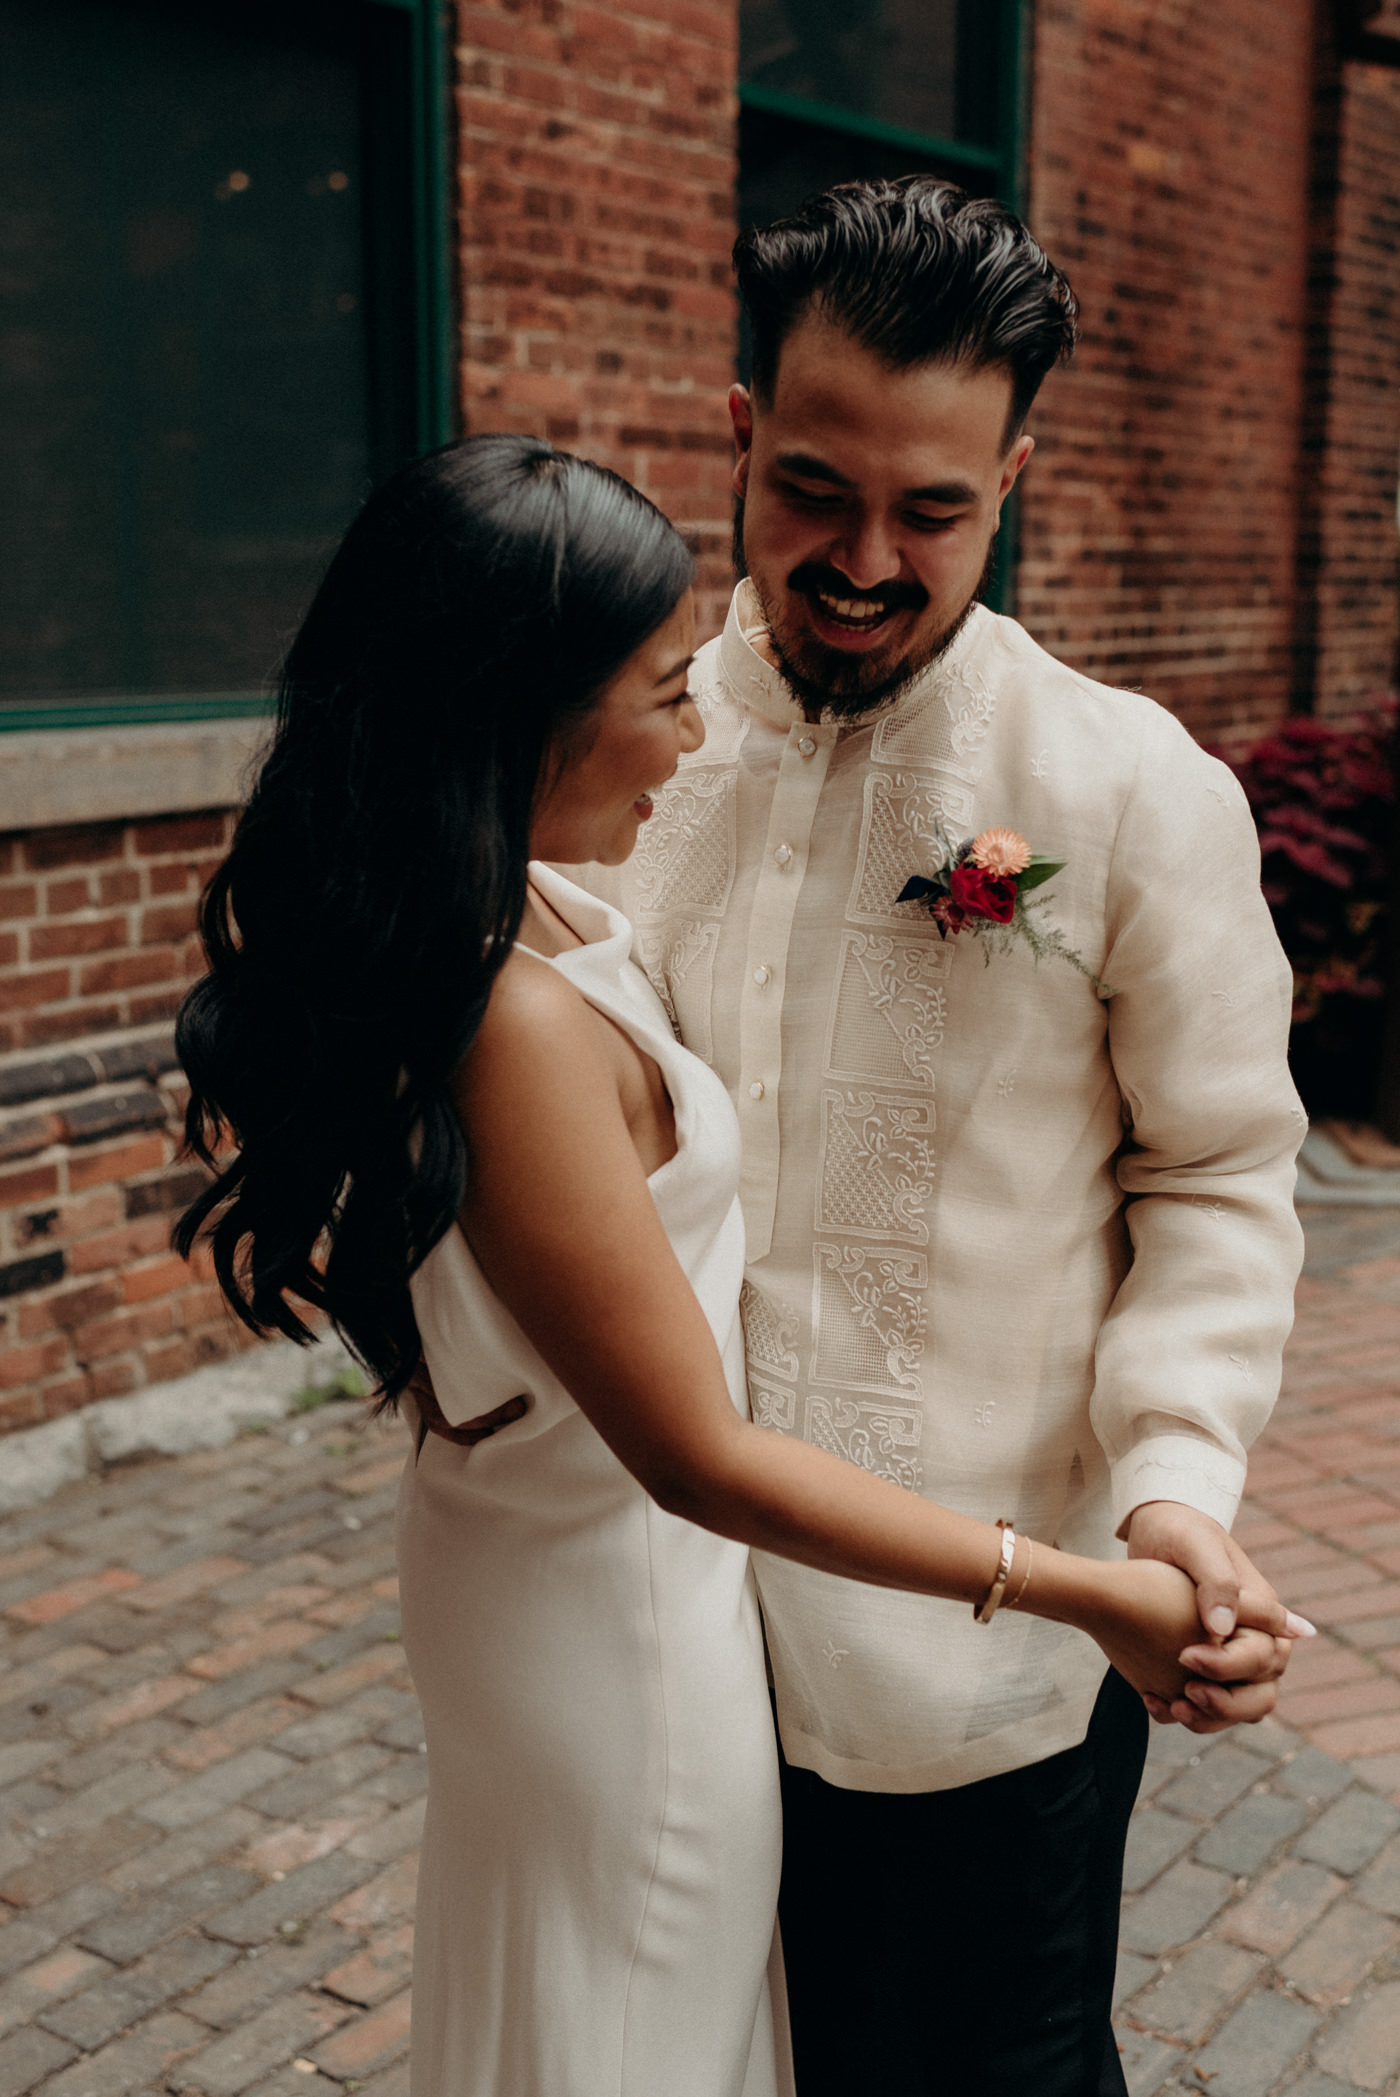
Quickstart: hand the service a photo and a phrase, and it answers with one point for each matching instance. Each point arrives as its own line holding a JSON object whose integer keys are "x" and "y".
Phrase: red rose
{"x": 982, "y": 894}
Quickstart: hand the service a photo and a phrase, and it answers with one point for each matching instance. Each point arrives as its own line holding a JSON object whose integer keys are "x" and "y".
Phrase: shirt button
{"x": 806, "y": 746}
{"x": 761, "y": 976}
{"x": 783, "y": 854}
{"x": 756, "y": 1089}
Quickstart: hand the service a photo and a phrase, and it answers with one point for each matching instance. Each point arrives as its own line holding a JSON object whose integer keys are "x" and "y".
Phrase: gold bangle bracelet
{"x": 1014, "y": 1601}
{"x": 997, "y": 1589}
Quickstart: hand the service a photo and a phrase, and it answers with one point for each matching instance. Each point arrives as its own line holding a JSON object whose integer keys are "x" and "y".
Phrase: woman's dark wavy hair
{"x": 477, "y": 607}
{"x": 918, "y": 272}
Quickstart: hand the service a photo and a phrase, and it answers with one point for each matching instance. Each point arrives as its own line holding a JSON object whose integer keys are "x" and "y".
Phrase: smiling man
{"x": 1017, "y": 1167}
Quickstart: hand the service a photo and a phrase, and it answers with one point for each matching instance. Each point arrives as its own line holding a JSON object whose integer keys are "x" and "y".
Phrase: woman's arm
{"x": 562, "y": 1223}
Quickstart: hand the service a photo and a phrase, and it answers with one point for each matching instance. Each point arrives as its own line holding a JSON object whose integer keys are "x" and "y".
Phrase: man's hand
{"x": 1248, "y": 1632}
{"x": 430, "y": 1416}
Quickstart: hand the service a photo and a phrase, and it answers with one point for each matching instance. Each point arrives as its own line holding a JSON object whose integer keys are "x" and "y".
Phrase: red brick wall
{"x": 1350, "y": 551}
{"x": 1169, "y": 165}
{"x": 96, "y": 950}
{"x": 97, "y": 924}
{"x": 596, "y": 209}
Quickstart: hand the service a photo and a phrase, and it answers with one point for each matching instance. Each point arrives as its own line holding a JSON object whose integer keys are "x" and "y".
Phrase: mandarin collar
{"x": 768, "y": 692}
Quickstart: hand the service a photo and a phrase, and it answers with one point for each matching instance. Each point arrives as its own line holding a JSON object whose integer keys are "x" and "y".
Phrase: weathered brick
{"x": 68, "y": 1862}
{"x": 109, "y": 2004}
{"x": 300, "y": 1895}
{"x": 1350, "y": 1833}
{"x": 224, "y": 1785}
{"x": 1186, "y": 2002}
{"x": 1362, "y": 2046}
{"x": 1277, "y": 1910}
{"x": 27, "y": 2056}
{"x": 1257, "y": 2045}
{"x": 1154, "y": 1839}
{"x": 1174, "y": 1910}
{"x": 370, "y": 2042}
{"x": 385, "y": 1964}
{"x": 1330, "y": 1960}
{"x": 312, "y": 1785}
{"x": 1204, "y": 1791}
{"x": 1250, "y": 1831}
{"x": 35, "y": 1990}
{"x": 142, "y": 1921}
{"x": 1312, "y": 1776}
{"x": 288, "y": 2026}
{"x": 246, "y": 1988}
{"x": 384, "y": 1900}
{"x": 133, "y": 2065}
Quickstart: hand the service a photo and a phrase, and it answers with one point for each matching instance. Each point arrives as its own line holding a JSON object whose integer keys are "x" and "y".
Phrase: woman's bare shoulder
{"x": 536, "y": 1026}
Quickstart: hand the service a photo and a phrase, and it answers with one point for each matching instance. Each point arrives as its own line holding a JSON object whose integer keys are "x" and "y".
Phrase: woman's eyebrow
{"x": 676, "y": 670}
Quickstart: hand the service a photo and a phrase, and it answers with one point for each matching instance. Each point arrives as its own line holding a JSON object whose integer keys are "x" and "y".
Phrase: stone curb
{"x": 201, "y": 1411}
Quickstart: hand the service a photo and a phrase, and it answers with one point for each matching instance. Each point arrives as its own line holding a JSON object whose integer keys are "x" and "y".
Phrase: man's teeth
{"x": 857, "y": 610}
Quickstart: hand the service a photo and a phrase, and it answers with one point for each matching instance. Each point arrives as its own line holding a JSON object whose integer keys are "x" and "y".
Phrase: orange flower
{"x": 1001, "y": 852}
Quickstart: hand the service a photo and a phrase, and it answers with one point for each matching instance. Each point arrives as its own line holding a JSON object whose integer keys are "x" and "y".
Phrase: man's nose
{"x": 867, "y": 554}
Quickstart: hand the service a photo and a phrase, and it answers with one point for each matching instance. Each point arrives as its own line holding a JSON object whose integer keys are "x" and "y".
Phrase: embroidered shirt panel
{"x": 932, "y": 1138}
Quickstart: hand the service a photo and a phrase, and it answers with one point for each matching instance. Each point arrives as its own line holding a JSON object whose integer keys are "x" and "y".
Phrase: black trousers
{"x": 955, "y": 1943}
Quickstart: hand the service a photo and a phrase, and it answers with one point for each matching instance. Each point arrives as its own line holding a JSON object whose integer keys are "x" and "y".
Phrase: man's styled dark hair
{"x": 917, "y": 272}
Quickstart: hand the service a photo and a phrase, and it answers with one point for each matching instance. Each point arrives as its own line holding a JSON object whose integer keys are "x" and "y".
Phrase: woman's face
{"x": 630, "y": 744}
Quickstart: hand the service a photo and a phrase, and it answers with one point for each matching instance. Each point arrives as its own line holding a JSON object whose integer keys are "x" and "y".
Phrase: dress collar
{"x": 767, "y": 691}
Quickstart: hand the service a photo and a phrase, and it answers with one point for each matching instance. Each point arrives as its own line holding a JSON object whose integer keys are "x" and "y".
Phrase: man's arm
{"x": 1189, "y": 1357}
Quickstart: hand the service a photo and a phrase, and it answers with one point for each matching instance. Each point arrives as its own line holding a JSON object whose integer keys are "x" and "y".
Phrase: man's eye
{"x": 923, "y": 523}
{"x": 812, "y": 498}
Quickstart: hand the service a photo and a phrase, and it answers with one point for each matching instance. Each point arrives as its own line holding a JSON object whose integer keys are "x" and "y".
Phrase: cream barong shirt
{"x": 1019, "y": 1243}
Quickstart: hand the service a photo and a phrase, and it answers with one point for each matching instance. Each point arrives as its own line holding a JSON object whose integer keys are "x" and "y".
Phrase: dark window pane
{"x": 925, "y": 65}
{"x": 184, "y": 389}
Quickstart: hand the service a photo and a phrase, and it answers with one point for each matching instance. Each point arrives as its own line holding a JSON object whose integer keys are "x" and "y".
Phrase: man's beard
{"x": 832, "y": 684}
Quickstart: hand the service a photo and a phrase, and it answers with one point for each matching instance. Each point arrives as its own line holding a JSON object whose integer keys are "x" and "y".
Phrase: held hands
{"x": 1237, "y": 1646}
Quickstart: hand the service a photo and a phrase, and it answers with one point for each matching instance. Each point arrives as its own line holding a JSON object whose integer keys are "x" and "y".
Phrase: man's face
{"x": 869, "y": 499}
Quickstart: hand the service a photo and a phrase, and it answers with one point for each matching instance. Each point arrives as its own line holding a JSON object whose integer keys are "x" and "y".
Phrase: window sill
{"x": 58, "y": 776}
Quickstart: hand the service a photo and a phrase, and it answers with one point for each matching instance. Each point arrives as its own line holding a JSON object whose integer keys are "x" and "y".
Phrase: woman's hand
{"x": 1145, "y": 1614}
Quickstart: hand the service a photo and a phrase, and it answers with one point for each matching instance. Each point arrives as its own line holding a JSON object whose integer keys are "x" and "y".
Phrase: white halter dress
{"x": 600, "y": 1860}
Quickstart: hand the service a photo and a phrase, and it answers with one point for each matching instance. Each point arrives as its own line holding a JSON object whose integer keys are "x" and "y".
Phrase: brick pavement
{"x": 211, "y": 1776}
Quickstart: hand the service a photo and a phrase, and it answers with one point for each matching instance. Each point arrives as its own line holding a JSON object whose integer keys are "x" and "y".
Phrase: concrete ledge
{"x": 93, "y": 775}
{"x": 201, "y": 1411}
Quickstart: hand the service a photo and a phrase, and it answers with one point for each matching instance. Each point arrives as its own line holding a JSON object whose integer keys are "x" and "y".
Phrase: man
{"x": 1019, "y": 1212}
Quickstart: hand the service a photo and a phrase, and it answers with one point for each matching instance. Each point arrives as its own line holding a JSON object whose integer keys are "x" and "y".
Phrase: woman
{"x": 405, "y": 1026}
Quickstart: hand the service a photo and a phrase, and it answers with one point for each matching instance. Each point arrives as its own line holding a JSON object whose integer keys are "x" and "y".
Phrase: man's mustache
{"x": 892, "y": 596}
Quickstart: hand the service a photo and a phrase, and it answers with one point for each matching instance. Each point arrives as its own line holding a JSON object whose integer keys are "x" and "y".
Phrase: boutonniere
{"x": 982, "y": 886}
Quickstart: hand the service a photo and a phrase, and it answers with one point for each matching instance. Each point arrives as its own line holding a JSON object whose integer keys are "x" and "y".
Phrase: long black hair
{"x": 477, "y": 607}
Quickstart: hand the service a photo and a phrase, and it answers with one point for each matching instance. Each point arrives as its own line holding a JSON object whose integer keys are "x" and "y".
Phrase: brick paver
{"x": 211, "y": 1777}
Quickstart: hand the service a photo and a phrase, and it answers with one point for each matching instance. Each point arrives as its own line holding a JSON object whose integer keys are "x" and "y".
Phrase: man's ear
{"x": 1011, "y": 468}
{"x": 741, "y": 415}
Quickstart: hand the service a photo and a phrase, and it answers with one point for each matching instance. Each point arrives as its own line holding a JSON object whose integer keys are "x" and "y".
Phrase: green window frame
{"x": 1004, "y": 161}
{"x": 419, "y": 81}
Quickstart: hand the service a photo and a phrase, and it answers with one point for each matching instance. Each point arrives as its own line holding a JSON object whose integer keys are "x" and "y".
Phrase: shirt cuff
{"x": 1181, "y": 1467}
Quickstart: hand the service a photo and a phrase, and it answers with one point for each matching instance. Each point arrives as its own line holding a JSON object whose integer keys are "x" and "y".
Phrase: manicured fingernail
{"x": 1296, "y": 1626}
{"x": 1221, "y": 1620}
